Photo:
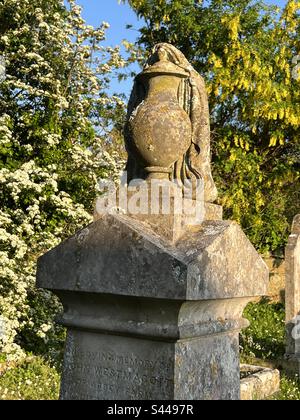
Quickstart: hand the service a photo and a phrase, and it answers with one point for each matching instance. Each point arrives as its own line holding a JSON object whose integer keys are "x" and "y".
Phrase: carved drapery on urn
{"x": 167, "y": 133}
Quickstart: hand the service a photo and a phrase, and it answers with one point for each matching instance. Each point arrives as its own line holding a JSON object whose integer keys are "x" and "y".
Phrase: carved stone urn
{"x": 160, "y": 130}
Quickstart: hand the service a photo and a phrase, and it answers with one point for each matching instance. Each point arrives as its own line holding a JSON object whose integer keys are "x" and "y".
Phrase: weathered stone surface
{"x": 259, "y": 383}
{"x": 187, "y": 351}
{"x": 276, "y": 289}
{"x": 292, "y": 294}
{"x": 169, "y": 72}
{"x": 169, "y": 224}
{"x": 216, "y": 261}
{"x": 137, "y": 348}
{"x": 173, "y": 311}
{"x": 171, "y": 320}
{"x": 100, "y": 367}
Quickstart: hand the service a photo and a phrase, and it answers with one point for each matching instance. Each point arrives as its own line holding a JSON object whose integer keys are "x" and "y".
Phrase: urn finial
{"x": 167, "y": 133}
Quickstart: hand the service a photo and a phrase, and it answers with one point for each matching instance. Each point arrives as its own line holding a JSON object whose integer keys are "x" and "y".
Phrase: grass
{"x": 32, "y": 379}
{"x": 265, "y": 337}
{"x": 289, "y": 389}
{"x": 37, "y": 379}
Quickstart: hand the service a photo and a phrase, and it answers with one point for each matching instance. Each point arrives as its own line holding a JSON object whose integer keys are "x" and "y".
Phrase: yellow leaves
{"x": 136, "y": 3}
{"x": 264, "y": 77}
{"x": 216, "y": 61}
{"x": 281, "y": 113}
{"x": 294, "y": 120}
{"x": 273, "y": 115}
{"x": 291, "y": 116}
{"x": 241, "y": 142}
{"x": 233, "y": 25}
{"x": 282, "y": 51}
{"x": 217, "y": 91}
{"x": 285, "y": 94}
{"x": 292, "y": 7}
{"x": 288, "y": 114}
{"x": 209, "y": 89}
{"x": 276, "y": 138}
{"x": 232, "y": 156}
{"x": 244, "y": 84}
{"x": 255, "y": 68}
{"x": 259, "y": 88}
{"x": 288, "y": 18}
{"x": 282, "y": 62}
{"x": 128, "y": 45}
{"x": 259, "y": 200}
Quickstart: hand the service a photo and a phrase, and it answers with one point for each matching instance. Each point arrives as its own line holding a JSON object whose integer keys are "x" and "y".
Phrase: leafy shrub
{"x": 265, "y": 337}
{"x": 54, "y": 110}
{"x": 289, "y": 389}
{"x": 34, "y": 379}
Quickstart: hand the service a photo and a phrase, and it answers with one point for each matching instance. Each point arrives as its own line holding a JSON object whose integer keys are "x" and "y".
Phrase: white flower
{"x": 35, "y": 213}
{"x": 44, "y": 25}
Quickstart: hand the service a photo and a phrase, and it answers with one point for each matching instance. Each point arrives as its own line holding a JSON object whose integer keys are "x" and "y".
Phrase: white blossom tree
{"x": 55, "y": 115}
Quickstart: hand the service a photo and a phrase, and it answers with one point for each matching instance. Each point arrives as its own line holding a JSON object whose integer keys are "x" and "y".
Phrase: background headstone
{"x": 292, "y": 295}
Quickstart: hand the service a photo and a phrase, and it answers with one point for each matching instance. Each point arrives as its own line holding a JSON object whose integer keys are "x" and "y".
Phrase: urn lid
{"x": 163, "y": 67}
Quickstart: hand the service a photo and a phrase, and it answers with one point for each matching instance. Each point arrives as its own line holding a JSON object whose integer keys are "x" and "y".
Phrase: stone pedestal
{"x": 292, "y": 296}
{"x": 150, "y": 318}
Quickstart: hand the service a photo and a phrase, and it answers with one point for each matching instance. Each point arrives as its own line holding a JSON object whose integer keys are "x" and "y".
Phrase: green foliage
{"x": 55, "y": 114}
{"x": 32, "y": 379}
{"x": 35, "y": 379}
{"x": 49, "y": 343}
{"x": 289, "y": 389}
{"x": 245, "y": 51}
{"x": 265, "y": 337}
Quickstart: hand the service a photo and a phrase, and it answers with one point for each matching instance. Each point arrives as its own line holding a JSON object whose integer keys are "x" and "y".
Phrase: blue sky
{"x": 118, "y": 16}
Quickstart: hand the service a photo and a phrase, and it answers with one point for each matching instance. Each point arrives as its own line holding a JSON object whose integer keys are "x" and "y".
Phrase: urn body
{"x": 160, "y": 129}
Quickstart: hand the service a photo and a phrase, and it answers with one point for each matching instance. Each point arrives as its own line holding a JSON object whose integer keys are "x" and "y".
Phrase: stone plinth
{"x": 292, "y": 295}
{"x": 259, "y": 383}
{"x": 276, "y": 266}
{"x": 150, "y": 318}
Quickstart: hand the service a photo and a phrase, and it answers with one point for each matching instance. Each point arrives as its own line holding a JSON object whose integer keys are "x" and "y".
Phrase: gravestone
{"x": 292, "y": 296}
{"x": 153, "y": 303}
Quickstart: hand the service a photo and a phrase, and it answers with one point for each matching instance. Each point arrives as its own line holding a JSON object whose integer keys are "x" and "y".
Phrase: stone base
{"x": 150, "y": 318}
{"x": 187, "y": 351}
{"x": 260, "y": 382}
{"x": 167, "y": 222}
{"x": 110, "y": 367}
{"x": 291, "y": 364}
